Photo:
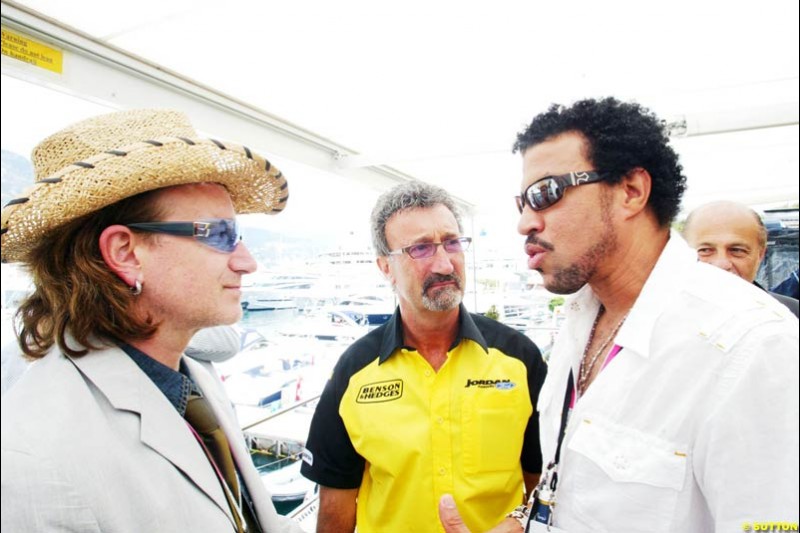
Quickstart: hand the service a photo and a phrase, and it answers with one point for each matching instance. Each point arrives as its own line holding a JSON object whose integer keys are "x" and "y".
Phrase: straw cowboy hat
{"x": 102, "y": 160}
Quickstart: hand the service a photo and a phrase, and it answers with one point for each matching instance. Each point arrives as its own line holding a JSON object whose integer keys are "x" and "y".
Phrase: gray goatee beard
{"x": 445, "y": 298}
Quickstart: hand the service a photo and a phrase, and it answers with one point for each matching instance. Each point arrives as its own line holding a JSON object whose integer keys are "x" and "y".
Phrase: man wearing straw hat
{"x": 130, "y": 237}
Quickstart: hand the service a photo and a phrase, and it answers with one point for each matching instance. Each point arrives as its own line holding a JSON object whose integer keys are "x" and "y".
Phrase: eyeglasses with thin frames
{"x": 545, "y": 192}
{"x": 424, "y": 250}
{"x": 222, "y": 234}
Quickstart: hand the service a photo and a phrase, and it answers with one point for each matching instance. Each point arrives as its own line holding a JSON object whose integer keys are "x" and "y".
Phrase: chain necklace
{"x": 587, "y": 368}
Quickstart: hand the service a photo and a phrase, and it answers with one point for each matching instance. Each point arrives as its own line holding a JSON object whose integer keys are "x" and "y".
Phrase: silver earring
{"x": 136, "y": 290}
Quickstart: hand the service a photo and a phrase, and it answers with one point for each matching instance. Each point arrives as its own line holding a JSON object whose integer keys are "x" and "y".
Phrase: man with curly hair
{"x": 671, "y": 401}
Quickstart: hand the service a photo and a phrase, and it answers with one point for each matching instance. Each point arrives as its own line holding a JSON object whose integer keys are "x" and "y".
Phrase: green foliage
{"x": 492, "y": 313}
{"x": 555, "y": 302}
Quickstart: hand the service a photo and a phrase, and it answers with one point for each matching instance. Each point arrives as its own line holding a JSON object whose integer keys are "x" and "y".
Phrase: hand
{"x": 450, "y": 517}
{"x": 453, "y": 523}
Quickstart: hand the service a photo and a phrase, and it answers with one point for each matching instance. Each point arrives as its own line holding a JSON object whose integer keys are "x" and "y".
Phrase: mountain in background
{"x": 274, "y": 249}
{"x": 269, "y": 247}
{"x": 17, "y": 175}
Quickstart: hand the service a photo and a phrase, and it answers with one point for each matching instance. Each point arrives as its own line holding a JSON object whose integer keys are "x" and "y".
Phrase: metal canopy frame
{"x": 97, "y": 71}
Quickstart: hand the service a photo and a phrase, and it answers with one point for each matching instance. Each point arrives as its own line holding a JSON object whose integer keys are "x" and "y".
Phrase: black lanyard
{"x": 565, "y": 415}
{"x": 541, "y": 510}
{"x": 563, "y": 429}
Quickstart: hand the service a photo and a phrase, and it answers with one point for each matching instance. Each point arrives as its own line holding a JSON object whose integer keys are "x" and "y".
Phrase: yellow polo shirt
{"x": 404, "y": 434}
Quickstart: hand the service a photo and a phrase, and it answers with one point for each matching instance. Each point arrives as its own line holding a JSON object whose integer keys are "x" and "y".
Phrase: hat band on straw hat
{"x": 77, "y": 187}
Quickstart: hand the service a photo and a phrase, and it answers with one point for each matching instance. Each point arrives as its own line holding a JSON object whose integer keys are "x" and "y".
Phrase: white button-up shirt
{"x": 693, "y": 427}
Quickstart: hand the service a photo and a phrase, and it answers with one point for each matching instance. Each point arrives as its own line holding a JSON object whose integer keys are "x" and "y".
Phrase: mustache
{"x": 440, "y": 278}
{"x": 536, "y": 241}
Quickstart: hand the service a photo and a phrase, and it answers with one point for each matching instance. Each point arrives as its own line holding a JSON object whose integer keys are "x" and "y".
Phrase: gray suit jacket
{"x": 90, "y": 444}
{"x": 788, "y": 301}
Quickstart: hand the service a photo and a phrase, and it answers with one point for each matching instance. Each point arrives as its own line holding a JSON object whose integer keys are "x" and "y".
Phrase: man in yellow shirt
{"x": 437, "y": 400}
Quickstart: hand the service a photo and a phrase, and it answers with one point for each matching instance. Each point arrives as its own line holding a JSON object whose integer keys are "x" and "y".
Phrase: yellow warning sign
{"x": 30, "y": 51}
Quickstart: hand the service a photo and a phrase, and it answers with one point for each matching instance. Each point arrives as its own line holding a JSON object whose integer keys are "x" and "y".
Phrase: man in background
{"x": 731, "y": 236}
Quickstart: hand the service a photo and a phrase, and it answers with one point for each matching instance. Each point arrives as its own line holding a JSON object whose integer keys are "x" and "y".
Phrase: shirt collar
{"x": 393, "y": 334}
{"x": 176, "y": 386}
{"x": 663, "y": 283}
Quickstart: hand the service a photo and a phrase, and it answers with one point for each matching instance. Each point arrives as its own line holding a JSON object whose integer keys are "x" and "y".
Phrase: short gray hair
{"x": 408, "y": 195}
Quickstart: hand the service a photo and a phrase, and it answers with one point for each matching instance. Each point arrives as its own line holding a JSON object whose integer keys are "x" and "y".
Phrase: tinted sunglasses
{"x": 545, "y": 192}
{"x": 220, "y": 233}
{"x": 423, "y": 250}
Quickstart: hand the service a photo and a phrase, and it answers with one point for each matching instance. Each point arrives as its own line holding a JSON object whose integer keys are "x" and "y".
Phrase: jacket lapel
{"x": 127, "y": 388}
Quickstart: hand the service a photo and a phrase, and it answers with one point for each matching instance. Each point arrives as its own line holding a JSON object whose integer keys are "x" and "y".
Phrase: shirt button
{"x": 442, "y": 471}
{"x": 440, "y": 420}
{"x": 427, "y": 373}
